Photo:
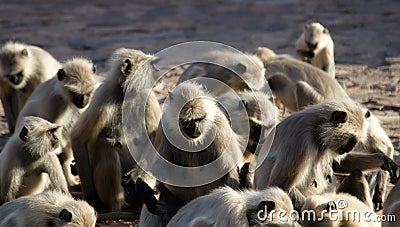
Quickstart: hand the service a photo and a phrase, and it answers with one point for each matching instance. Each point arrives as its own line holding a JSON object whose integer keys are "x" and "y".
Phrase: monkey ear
{"x": 94, "y": 68}
{"x": 24, "y": 52}
{"x": 61, "y": 74}
{"x": 23, "y": 133}
{"x": 153, "y": 63}
{"x": 240, "y": 68}
{"x": 268, "y": 205}
{"x": 306, "y": 26}
{"x": 126, "y": 67}
{"x": 367, "y": 114}
{"x": 325, "y": 31}
{"x": 65, "y": 215}
{"x": 339, "y": 117}
{"x": 331, "y": 206}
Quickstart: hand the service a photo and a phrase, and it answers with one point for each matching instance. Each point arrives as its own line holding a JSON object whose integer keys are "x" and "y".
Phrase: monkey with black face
{"x": 321, "y": 137}
{"x": 61, "y": 100}
{"x": 51, "y": 208}
{"x": 101, "y": 154}
{"x": 193, "y": 132}
{"x": 316, "y": 47}
{"x": 22, "y": 68}
{"x": 29, "y": 159}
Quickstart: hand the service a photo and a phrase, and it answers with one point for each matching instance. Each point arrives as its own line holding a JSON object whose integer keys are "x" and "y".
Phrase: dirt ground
{"x": 366, "y": 35}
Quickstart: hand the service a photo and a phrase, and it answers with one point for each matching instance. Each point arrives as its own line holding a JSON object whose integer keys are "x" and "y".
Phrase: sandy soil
{"x": 365, "y": 32}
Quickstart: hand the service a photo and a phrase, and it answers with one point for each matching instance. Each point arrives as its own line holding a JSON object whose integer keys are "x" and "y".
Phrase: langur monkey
{"x": 29, "y": 159}
{"x": 61, "y": 100}
{"x": 340, "y": 209}
{"x": 202, "y": 133}
{"x": 227, "y": 207}
{"x": 297, "y": 84}
{"x": 22, "y": 68}
{"x": 243, "y": 72}
{"x": 49, "y": 208}
{"x": 101, "y": 153}
{"x": 321, "y": 137}
{"x": 315, "y": 46}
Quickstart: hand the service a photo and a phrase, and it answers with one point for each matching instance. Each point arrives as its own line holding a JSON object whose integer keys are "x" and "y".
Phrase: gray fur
{"x": 26, "y": 165}
{"x": 36, "y": 66}
{"x": 44, "y": 210}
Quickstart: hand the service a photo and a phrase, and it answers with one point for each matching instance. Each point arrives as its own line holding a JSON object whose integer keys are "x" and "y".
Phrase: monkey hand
{"x": 393, "y": 169}
{"x": 306, "y": 54}
{"x": 146, "y": 193}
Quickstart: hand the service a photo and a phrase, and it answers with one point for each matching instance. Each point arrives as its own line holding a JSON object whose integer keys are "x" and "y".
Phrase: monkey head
{"x": 341, "y": 127}
{"x": 313, "y": 34}
{"x": 77, "y": 81}
{"x": 16, "y": 64}
{"x": 40, "y": 136}
{"x": 196, "y": 109}
{"x": 125, "y": 63}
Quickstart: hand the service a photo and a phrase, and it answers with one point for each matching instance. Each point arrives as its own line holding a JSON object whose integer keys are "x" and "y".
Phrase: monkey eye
{"x": 367, "y": 114}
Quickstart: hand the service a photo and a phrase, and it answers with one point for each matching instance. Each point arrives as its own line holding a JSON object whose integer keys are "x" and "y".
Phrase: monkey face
{"x": 190, "y": 128}
{"x": 77, "y": 79}
{"x": 313, "y": 34}
{"x": 12, "y": 65}
{"x": 80, "y": 100}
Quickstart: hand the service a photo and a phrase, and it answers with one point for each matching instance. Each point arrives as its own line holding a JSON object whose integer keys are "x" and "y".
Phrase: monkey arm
{"x": 364, "y": 161}
{"x": 10, "y": 184}
{"x": 53, "y": 167}
{"x": 10, "y": 111}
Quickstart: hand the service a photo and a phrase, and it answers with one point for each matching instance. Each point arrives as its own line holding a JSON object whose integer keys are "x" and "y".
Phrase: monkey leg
{"x": 380, "y": 190}
{"x": 107, "y": 180}
{"x": 284, "y": 89}
{"x": 297, "y": 198}
{"x": 307, "y": 95}
{"x": 10, "y": 107}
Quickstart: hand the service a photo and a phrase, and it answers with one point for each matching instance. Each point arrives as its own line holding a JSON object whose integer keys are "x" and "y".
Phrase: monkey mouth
{"x": 16, "y": 78}
{"x": 351, "y": 143}
{"x": 190, "y": 128}
{"x": 79, "y": 100}
{"x": 311, "y": 46}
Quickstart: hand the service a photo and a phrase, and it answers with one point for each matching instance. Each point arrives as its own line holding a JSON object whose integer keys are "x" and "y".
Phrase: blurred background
{"x": 364, "y": 31}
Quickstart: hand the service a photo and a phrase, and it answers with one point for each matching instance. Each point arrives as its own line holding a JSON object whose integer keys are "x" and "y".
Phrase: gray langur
{"x": 315, "y": 46}
{"x": 22, "y": 68}
{"x": 98, "y": 142}
{"x": 29, "y": 160}
{"x": 61, "y": 100}
{"x": 49, "y": 208}
{"x": 321, "y": 137}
